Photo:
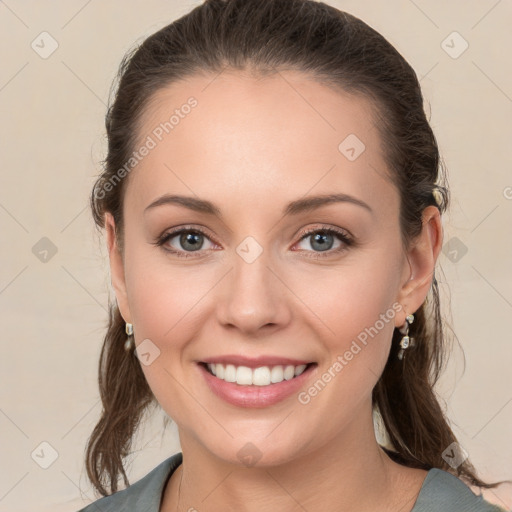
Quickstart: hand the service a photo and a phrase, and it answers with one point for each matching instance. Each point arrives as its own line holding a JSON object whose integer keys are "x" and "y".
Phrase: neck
{"x": 349, "y": 472}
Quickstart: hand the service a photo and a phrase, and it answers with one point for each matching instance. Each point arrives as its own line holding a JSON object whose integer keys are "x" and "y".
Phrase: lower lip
{"x": 256, "y": 396}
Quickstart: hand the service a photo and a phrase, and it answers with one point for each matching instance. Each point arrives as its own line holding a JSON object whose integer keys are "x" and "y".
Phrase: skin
{"x": 250, "y": 146}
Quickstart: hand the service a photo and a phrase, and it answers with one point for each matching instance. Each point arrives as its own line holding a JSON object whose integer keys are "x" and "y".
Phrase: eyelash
{"x": 341, "y": 235}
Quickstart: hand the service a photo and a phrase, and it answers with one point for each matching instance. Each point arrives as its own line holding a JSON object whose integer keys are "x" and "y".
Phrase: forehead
{"x": 234, "y": 138}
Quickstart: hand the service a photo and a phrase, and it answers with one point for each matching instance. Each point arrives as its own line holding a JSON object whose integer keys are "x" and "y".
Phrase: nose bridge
{"x": 254, "y": 296}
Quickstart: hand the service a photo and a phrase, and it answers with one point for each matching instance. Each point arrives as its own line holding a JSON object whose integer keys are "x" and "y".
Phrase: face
{"x": 316, "y": 282}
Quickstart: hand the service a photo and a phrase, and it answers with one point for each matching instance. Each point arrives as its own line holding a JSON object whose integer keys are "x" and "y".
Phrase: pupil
{"x": 189, "y": 238}
{"x": 320, "y": 238}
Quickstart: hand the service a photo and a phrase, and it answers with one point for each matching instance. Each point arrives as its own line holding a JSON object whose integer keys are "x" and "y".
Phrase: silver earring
{"x": 129, "y": 344}
{"x": 405, "y": 341}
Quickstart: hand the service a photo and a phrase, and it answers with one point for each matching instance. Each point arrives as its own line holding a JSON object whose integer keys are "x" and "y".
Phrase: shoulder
{"x": 144, "y": 495}
{"x": 443, "y": 491}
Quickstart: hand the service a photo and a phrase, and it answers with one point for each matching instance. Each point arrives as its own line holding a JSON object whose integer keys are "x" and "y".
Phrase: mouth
{"x": 259, "y": 376}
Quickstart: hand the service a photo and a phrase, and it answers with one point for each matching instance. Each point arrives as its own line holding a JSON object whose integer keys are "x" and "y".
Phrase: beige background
{"x": 53, "y": 312}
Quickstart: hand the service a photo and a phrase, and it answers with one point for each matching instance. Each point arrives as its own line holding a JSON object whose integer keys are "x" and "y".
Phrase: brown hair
{"x": 337, "y": 49}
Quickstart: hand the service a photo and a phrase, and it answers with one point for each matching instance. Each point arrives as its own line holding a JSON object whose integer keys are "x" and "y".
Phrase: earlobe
{"x": 422, "y": 257}
{"x": 117, "y": 270}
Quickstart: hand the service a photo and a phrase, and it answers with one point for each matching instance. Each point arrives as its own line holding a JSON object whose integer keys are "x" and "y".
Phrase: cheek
{"x": 168, "y": 308}
{"x": 164, "y": 301}
{"x": 154, "y": 286}
{"x": 357, "y": 325}
{"x": 353, "y": 309}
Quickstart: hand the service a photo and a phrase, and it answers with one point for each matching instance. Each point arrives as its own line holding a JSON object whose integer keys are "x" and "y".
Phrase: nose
{"x": 253, "y": 297}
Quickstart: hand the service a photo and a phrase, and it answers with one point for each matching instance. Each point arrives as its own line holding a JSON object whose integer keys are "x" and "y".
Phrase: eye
{"x": 187, "y": 239}
{"x": 323, "y": 240}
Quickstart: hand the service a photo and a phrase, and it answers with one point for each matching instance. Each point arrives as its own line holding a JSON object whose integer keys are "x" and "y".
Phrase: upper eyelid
{"x": 338, "y": 231}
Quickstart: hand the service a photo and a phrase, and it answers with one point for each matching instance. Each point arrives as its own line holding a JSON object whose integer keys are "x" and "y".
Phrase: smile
{"x": 260, "y": 376}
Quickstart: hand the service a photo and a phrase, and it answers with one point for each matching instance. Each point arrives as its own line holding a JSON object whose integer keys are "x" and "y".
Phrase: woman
{"x": 272, "y": 205}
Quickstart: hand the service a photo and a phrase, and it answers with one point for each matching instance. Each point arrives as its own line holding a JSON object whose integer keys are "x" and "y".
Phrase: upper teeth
{"x": 262, "y": 376}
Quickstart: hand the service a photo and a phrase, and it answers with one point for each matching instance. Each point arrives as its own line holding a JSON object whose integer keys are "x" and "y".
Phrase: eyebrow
{"x": 292, "y": 208}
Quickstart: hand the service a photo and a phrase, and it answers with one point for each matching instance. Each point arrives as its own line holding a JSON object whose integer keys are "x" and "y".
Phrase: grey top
{"x": 441, "y": 492}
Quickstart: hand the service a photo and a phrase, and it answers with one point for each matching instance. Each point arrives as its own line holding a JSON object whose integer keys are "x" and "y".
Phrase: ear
{"x": 117, "y": 268}
{"x": 422, "y": 257}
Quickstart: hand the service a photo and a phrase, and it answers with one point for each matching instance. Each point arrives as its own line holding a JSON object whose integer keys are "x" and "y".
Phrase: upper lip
{"x": 255, "y": 362}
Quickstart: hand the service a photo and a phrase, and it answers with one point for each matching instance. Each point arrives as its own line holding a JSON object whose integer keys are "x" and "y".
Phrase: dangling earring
{"x": 129, "y": 344}
{"x": 405, "y": 341}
